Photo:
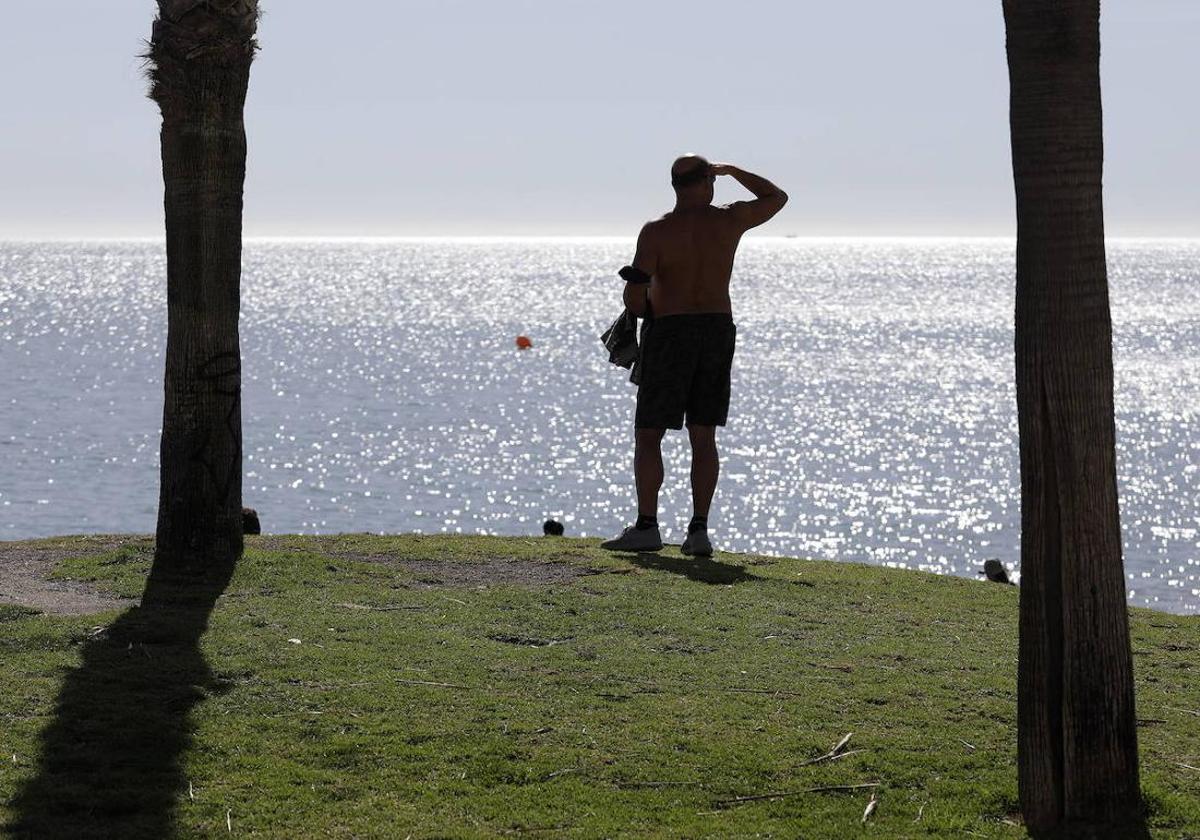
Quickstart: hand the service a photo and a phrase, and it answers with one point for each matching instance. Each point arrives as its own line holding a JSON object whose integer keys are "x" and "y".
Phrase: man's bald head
{"x": 690, "y": 171}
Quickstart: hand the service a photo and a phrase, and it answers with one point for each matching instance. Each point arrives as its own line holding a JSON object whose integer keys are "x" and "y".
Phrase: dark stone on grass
{"x": 552, "y": 529}
{"x": 995, "y": 572}
{"x": 250, "y": 523}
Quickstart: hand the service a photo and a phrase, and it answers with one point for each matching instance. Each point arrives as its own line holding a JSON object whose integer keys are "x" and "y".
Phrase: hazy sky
{"x": 379, "y": 117}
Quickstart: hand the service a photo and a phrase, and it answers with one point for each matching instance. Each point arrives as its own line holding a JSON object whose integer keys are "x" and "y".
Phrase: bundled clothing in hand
{"x": 621, "y": 338}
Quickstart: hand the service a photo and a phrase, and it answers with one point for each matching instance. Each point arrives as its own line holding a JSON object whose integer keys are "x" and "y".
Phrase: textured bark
{"x": 1077, "y": 741}
{"x": 200, "y": 55}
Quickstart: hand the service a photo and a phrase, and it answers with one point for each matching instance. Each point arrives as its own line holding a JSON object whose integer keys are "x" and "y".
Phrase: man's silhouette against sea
{"x": 679, "y": 282}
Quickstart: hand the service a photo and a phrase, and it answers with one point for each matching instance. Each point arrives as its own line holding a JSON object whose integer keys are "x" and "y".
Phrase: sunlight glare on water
{"x": 872, "y": 419}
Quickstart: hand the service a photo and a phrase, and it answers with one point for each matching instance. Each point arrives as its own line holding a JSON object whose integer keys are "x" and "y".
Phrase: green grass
{"x": 635, "y": 700}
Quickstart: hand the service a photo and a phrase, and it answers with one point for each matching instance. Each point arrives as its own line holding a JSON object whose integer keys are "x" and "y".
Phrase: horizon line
{"x": 566, "y": 237}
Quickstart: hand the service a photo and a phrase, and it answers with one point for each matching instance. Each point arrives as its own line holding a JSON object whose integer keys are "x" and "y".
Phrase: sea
{"x": 873, "y": 416}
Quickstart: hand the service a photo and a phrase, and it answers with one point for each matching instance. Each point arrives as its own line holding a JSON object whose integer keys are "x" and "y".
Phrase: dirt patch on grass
{"x": 26, "y": 566}
{"x": 25, "y": 569}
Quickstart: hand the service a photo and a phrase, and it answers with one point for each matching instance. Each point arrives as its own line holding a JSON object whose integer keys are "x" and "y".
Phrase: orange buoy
{"x": 523, "y": 342}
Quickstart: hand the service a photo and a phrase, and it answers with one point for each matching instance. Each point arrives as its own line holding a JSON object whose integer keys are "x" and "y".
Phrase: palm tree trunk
{"x": 200, "y": 54}
{"x": 1077, "y": 742}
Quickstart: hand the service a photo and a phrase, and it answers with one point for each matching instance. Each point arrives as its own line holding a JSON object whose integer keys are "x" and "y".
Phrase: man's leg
{"x": 648, "y": 469}
{"x": 643, "y": 535}
{"x": 705, "y": 468}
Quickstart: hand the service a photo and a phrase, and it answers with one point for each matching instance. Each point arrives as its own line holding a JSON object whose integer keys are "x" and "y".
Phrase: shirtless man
{"x": 679, "y": 282}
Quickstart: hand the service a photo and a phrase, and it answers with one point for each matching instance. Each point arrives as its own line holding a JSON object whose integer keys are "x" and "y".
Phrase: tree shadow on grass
{"x": 111, "y": 759}
{"x": 700, "y": 569}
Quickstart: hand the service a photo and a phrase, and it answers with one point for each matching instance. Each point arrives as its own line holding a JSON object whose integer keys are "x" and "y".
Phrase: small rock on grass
{"x": 995, "y": 571}
{"x": 250, "y": 523}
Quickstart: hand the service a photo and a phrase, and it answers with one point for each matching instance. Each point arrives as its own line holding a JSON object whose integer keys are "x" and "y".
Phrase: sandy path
{"x": 25, "y": 569}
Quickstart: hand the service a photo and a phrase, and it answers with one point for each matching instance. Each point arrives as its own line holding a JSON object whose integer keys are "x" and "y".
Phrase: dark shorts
{"x": 685, "y": 367}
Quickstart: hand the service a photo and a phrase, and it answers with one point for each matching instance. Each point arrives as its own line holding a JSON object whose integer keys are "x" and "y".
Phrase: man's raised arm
{"x": 768, "y": 198}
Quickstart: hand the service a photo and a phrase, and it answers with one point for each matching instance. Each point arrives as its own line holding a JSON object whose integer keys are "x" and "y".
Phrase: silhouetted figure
{"x": 679, "y": 283}
{"x": 550, "y": 528}
{"x": 250, "y": 523}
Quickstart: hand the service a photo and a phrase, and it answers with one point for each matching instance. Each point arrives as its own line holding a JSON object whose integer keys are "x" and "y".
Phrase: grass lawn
{"x": 365, "y": 686}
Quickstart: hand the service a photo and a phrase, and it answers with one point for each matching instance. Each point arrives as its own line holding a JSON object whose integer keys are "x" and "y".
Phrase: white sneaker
{"x": 631, "y": 539}
{"x": 697, "y": 544}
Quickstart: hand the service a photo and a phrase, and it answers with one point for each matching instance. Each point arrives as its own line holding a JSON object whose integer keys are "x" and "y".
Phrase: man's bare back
{"x": 689, "y": 252}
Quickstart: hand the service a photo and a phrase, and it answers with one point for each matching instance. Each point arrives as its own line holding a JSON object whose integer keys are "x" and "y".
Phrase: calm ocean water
{"x": 872, "y": 420}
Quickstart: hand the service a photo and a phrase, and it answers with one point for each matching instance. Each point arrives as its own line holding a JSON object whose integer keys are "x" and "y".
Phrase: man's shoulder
{"x": 653, "y": 230}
